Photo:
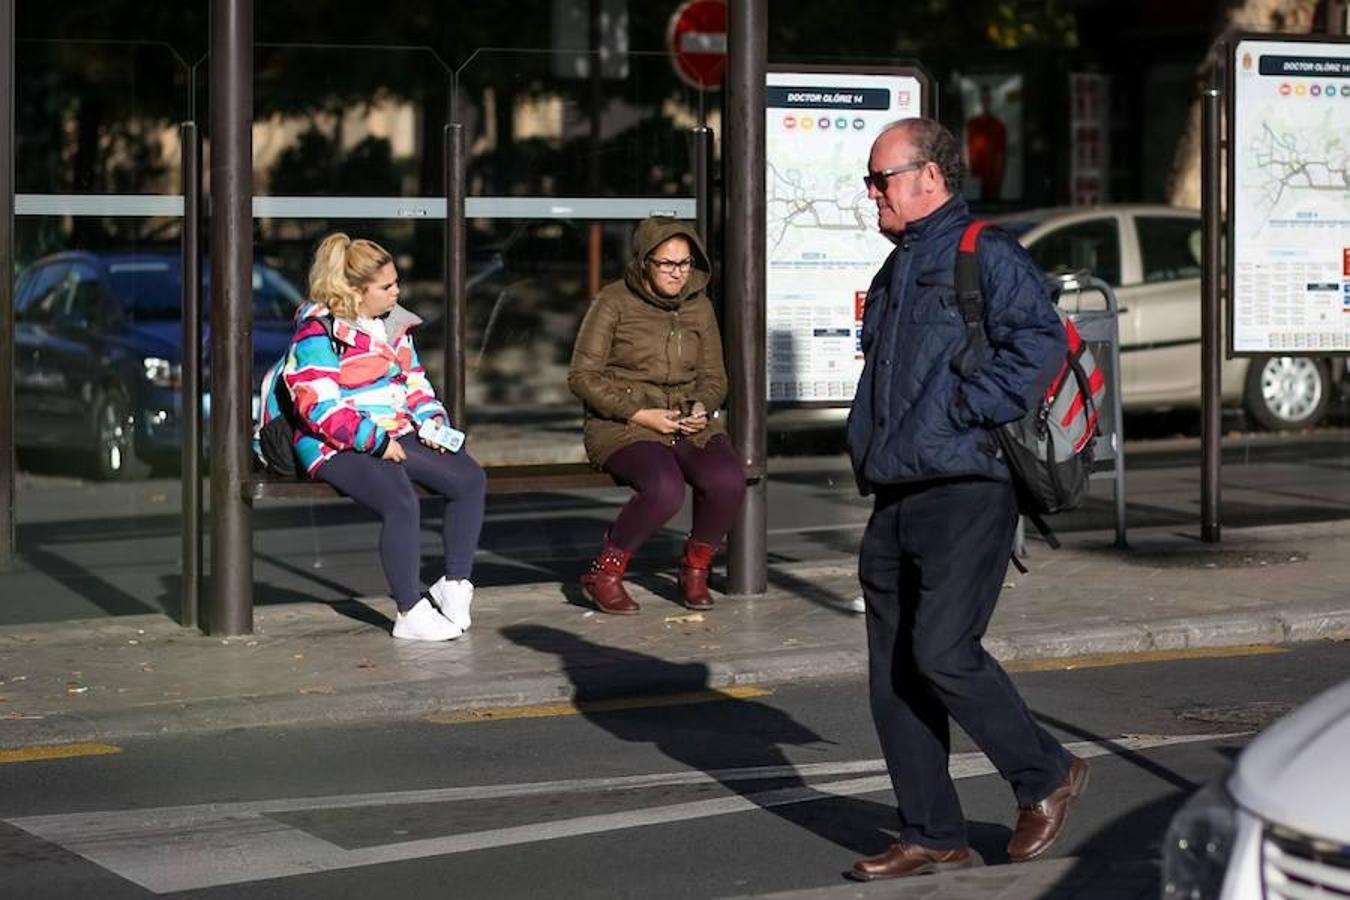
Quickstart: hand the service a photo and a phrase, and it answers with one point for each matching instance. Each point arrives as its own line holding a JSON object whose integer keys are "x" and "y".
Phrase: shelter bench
{"x": 500, "y": 480}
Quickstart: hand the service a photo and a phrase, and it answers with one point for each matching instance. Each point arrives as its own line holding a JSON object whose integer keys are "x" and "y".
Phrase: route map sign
{"x": 822, "y": 243}
{"x": 1289, "y": 196}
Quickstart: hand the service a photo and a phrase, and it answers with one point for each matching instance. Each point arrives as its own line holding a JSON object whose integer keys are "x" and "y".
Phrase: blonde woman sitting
{"x": 361, "y": 394}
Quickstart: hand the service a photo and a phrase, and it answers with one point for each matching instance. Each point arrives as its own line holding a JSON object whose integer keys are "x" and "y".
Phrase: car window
{"x": 274, "y": 298}
{"x": 39, "y": 293}
{"x": 147, "y": 290}
{"x": 1093, "y": 245}
{"x": 81, "y": 306}
{"x": 1169, "y": 247}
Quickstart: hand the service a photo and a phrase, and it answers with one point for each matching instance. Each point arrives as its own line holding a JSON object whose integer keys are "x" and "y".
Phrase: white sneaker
{"x": 859, "y": 605}
{"x": 423, "y": 623}
{"x": 453, "y": 598}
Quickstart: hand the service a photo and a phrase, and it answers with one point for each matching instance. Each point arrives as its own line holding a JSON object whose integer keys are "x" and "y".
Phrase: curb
{"x": 385, "y": 702}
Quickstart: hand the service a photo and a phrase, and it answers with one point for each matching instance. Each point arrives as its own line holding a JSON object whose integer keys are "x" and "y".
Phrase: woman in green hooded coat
{"x": 648, "y": 366}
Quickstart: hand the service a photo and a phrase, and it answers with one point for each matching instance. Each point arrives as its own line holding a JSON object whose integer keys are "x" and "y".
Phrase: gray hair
{"x": 933, "y": 142}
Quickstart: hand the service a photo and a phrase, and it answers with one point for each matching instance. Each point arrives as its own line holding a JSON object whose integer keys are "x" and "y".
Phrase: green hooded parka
{"x": 638, "y": 350}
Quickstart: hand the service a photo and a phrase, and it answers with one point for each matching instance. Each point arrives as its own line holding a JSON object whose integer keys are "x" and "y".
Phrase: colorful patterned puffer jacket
{"x": 355, "y": 391}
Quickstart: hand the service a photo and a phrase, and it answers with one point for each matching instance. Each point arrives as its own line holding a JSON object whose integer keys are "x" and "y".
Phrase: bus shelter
{"x": 503, "y": 253}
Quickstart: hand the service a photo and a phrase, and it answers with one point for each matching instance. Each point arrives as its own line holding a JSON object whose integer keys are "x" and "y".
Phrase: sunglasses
{"x": 878, "y": 179}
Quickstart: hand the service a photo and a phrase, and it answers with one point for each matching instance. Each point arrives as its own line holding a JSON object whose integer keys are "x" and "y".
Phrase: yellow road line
{"x": 1102, "y": 660}
{"x": 585, "y": 707}
{"x": 55, "y": 751}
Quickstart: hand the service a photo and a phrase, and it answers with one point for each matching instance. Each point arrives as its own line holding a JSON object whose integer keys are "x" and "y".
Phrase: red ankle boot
{"x": 603, "y": 584}
{"x": 694, "y": 574}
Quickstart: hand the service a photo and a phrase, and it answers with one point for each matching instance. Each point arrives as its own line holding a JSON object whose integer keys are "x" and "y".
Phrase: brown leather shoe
{"x": 1039, "y": 824}
{"x": 603, "y": 584}
{"x": 904, "y": 859}
{"x": 693, "y": 577}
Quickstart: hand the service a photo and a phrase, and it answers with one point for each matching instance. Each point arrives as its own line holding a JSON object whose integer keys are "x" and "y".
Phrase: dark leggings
{"x": 657, "y": 473}
{"x": 386, "y": 488}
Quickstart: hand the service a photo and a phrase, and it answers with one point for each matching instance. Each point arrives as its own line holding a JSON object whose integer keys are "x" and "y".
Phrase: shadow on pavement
{"x": 1123, "y": 857}
{"x": 723, "y": 740}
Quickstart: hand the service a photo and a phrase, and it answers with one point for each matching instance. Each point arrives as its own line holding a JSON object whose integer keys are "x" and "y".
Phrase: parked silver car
{"x": 1150, "y": 255}
{"x": 1279, "y": 825}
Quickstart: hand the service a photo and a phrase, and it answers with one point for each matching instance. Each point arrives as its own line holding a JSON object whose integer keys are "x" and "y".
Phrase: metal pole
{"x": 1211, "y": 326}
{"x": 594, "y": 71}
{"x": 190, "y": 415}
{"x": 7, "y": 458}
{"x": 1117, "y": 400}
{"x": 231, "y": 610}
{"x": 456, "y": 266}
{"x": 1338, "y": 17}
{"x": 701, "y": 150}
{"x": 747, "y": 56}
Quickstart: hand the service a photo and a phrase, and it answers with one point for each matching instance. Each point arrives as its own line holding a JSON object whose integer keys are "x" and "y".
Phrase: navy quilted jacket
{"x": 914, "y": 416}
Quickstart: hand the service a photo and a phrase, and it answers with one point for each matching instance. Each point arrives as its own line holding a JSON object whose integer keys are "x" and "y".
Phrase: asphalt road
{"x": 706, "y": 797}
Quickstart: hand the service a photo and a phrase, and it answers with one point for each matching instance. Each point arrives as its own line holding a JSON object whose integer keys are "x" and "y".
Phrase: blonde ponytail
{"x": 342, "y": 269}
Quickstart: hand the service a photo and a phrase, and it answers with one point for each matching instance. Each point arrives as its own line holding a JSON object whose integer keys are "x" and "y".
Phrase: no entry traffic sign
{"x": 698, "y": 42}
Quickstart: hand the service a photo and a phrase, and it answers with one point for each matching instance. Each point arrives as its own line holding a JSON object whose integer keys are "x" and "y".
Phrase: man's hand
{"x": 393, "y": 452}
{"x": 662, "y": 421}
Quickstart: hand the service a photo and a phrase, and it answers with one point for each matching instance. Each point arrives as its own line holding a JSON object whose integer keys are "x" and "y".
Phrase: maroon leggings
{"x": 658, "y": 472}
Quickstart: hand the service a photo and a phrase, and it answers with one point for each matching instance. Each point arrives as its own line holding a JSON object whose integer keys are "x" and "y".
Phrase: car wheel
{"x": 115, "y": 440}
{"x": 1287, "y": 392}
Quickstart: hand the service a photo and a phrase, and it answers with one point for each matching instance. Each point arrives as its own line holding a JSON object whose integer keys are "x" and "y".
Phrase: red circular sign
{"x": 698, "y": 42}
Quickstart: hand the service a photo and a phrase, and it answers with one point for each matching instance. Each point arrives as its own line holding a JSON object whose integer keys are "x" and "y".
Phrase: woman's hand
{"x": 426, "y": 443}
{"x": 393, "y": 452}
{"x": 662, "y": 421}
{"x": 696, "y": 421}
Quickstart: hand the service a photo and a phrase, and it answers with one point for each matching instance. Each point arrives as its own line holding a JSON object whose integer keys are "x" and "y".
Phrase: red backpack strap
{"x": 969, "y": 294}
{"x": 972, "y": 234}
{"x": 970, "y": 299}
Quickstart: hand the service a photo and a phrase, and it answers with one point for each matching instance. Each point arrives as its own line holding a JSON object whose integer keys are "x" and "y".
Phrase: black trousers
{"x": 932, "y": 563}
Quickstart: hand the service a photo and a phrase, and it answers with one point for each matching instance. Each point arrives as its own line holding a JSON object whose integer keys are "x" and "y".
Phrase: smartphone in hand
{"x": 687, "y": 413}
{"x": 442, "y": 436}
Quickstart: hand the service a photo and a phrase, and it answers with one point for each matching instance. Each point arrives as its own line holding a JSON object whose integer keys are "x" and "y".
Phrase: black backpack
{"x": 274, "y": 432}
{"x": 1049, "y": 451}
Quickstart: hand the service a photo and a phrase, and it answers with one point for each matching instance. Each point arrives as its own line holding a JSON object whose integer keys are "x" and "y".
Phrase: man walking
{"x": 936, "y": 548}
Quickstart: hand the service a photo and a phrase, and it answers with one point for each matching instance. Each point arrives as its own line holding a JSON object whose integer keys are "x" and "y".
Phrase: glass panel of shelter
{"x": 96, "y": 402}
{"x": 534, "y": 224}
{"x": 537, "y": 126}
{"x": 531, "y": 269}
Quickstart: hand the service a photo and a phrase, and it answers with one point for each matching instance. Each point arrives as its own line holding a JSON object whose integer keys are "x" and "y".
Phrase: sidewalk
{"x": 313, "y": 663}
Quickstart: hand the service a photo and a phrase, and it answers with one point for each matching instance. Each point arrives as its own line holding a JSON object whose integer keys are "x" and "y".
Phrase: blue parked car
{"x": 98, "y": 353}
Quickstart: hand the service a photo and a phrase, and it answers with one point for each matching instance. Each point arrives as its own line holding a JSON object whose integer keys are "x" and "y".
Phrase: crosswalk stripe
{"x": 208, "y": 845}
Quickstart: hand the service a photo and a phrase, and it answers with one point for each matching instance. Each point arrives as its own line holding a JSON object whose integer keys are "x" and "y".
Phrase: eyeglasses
{"x": 671, "y": 266}
{"x": 878, "y": 179}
